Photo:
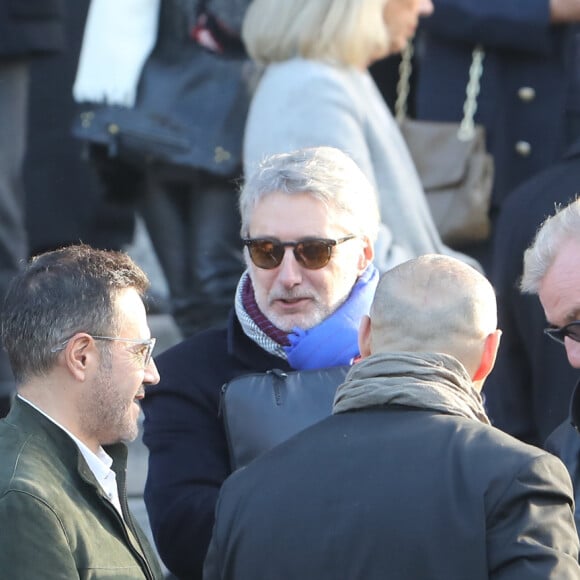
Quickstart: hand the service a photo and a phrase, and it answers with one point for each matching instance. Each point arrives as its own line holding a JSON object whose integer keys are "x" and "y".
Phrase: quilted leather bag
{"x": 452, "y": 161}
{"x": 190, "y": 109}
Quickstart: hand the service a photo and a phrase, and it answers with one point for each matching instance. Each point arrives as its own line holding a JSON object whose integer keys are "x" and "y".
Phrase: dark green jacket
{"x": 55, "y": 521}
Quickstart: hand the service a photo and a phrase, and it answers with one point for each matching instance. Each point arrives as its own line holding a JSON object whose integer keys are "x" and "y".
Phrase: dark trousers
{"x": 193, "y": 222}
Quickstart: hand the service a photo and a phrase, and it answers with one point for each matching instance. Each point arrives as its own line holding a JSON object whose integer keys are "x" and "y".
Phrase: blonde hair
{"x": 349, "y": 32}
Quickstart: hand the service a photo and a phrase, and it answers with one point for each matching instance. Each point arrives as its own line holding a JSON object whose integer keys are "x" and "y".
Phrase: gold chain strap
{"x": 467, "y": 126}
{"x": 404, "y": 82}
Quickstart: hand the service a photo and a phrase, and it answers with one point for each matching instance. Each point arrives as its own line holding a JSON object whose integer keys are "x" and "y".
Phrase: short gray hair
{"x": 557, "y": 229}
{"x": 327, "y": 174}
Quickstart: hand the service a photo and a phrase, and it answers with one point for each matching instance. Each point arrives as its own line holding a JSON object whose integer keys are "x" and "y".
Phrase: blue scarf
{"x": 334, "y": 342}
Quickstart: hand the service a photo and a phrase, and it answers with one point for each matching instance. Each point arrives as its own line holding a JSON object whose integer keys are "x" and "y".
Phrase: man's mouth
{"x": 289, "y": 303}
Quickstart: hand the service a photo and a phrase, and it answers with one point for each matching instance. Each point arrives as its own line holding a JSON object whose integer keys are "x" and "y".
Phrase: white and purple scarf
{"x": 333, "y": 342}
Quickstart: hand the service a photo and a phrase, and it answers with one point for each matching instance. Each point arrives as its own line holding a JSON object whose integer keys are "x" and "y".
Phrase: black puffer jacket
{"x": 184, "y": 432}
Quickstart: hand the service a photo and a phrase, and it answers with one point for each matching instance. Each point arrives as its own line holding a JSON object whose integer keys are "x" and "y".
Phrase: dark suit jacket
{"x": 400, "y": 493}
{"x": 565, "y": 443}
{"x": 528, "y": 392}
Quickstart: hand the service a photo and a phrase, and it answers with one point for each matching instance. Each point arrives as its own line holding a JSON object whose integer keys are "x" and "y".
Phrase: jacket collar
{"x": 37, "y": 425}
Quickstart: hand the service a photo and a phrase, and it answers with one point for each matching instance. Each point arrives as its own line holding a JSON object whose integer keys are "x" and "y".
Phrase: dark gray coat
{"x": 400, "y": 493}
{"x": 565, "y": 443}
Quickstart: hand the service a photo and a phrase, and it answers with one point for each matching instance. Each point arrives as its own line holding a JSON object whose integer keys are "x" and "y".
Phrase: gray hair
{"x": 350, "y": 32}
{"x": 557, "y": 229}
{"x": 327, "y": 174}
{"x": 58, "y": 294}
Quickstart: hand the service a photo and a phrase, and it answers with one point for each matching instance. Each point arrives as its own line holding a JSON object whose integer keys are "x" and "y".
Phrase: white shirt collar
{"x": 99, "y": 463}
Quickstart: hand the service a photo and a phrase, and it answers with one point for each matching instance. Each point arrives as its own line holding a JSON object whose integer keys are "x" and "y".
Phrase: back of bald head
{"x": 433, "y": 303}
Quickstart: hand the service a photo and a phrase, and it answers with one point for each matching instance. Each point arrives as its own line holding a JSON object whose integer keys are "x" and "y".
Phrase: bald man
{"x": 407, "y": 478}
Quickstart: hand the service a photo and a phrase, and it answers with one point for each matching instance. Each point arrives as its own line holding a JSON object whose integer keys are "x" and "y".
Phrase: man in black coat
{"x": 528, "y": 391}
{"x": 28, "y": 28}
{"x": 407, "y": 479}
{"x": 309, "y": 280}
{"x": 551, "y": 271}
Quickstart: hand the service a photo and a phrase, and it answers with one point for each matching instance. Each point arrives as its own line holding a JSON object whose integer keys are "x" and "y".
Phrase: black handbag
{"x": 261, "y": 410}
{"x": 190, "y": 109}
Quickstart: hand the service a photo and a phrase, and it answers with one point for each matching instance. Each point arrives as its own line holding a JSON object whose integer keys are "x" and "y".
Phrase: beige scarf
{"x": 424, "y": 380}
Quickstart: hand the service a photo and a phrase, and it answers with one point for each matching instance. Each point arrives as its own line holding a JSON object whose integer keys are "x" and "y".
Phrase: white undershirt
{"x": 99, "y": 463}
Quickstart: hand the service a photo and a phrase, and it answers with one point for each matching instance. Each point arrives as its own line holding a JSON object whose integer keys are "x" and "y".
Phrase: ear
{"x": 488, "y": 356}
{"x": 78, "y": 354}
{"x": 364, "y": 336}
{"x": 367, "y": 255}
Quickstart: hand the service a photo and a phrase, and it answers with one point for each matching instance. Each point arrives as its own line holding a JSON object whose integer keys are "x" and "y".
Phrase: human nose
{"x": 151, "y": 374}
{"x": 572, "y": 352}
{"x": 290, "y": 273}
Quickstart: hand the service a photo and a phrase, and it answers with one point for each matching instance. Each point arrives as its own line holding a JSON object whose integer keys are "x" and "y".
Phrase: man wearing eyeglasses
{"x": 309, "y": 221}
{"x": 551, "y": 270}
{"x": 75, "y": 330}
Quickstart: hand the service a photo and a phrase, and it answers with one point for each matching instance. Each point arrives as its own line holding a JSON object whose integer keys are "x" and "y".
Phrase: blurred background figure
{"x": 56, "y": 178}
{"x": 189, "y": 209}
{"x": 529, "y": 101}
{"x": 529, "y": 390}
{"x": 316, "y": 90}
{"x": 28, "y": 29}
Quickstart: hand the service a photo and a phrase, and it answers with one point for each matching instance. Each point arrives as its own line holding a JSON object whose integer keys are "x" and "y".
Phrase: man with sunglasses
{"x": 309, "y": 221}
{"x": 75, "y": 330}
{"x": 551, "y": 270}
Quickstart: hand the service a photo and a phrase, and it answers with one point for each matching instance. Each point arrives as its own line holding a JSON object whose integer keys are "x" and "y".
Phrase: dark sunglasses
{"x": 312, "y": 253}
{"x": 570, "y": 330}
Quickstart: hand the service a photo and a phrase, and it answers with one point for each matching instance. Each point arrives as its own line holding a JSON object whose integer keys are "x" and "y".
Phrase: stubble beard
{"x": 108, "y": 414}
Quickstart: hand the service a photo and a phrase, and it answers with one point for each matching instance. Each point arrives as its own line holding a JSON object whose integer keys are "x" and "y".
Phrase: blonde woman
{"x": 316, "y": 90}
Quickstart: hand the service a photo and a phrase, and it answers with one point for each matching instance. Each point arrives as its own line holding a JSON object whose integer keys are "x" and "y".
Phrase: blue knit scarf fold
{"x": 334, "y": 342}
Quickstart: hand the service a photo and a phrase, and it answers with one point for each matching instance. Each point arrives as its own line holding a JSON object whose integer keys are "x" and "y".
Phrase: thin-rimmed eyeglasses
{"x": 147, "y": 343}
